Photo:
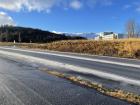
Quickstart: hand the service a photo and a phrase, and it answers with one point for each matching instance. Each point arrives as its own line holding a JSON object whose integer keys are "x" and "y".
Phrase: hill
{"x": 22, "y": 34}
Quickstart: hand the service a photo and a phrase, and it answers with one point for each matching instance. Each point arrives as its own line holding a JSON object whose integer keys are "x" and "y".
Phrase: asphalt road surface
{"x": 23, "y": 84}
{"x": 126, "y": 70}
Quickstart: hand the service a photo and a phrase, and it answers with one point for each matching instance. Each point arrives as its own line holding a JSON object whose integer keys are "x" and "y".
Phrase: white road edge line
{"x": 80, "y": 58}
{"x": 76, "y": 68}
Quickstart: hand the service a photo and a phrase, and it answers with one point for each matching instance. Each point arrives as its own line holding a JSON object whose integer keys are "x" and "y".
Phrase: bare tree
{"x": 133, "y": 29}
{"x": 138, "y": 30}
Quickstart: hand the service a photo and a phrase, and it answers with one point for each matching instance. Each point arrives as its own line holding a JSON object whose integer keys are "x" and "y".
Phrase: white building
{"x": 108, "y": 36}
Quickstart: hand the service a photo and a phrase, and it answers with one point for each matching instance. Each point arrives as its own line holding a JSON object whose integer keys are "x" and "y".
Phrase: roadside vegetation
{"x": 128, "y": 48}
{"x": 6, "y": 44}
{"x": 120, "y": 94}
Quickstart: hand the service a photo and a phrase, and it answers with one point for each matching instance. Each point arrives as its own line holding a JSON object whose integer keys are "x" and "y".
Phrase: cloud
{"x": 107, "y": 2}
{"x": 5, "y": 19}
{"x": 93, "y": 3}
{"x": 30, "y": 5}
{"x": 138, "y": 9}
{"x": 137, "y": 6}
{"x": 127, "y": 6}
{"x": 115, "y": 17}
{"x": 76, "y": 4}
{"x": 14, "y": 5}
{"x": 40, "y": 5}
{"x": 47, "y": 5}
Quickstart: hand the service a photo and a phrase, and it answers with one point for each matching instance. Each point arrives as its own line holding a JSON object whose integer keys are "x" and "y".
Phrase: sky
{"x": 70, "y": 15}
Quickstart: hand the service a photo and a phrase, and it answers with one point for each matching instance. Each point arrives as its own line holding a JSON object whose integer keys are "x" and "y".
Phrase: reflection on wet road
{"x": 22, "y": 84}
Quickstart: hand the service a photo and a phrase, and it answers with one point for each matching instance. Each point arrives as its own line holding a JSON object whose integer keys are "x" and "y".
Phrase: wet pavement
{"x": 22, "y": 83}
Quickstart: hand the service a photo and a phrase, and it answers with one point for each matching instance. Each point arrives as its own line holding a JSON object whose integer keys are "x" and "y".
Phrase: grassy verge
{"x": 120, "y": 94}
{"x": 6, "y": 44}
{"x": 128, "y": 48}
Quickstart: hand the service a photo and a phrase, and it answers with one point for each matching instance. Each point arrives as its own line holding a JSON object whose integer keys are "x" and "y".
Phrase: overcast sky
{"x": 70, "y": 15}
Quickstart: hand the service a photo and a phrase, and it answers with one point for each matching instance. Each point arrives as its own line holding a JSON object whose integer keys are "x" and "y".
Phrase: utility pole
{"x": 6, "y": 34}
{"x": 19, "y": 38}
{"x": 0, "y": 35}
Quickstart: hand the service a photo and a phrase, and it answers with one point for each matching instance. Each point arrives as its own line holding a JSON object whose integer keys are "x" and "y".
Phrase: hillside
{"x": 21, "y": 34}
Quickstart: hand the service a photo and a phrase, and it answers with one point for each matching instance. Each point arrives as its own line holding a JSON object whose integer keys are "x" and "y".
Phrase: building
{"x": 108, "y": 36}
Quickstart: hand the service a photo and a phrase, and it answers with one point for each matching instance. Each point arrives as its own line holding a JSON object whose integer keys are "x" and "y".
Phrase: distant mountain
{"x": 22, "y": 34}
{"x": 86, "y": 35}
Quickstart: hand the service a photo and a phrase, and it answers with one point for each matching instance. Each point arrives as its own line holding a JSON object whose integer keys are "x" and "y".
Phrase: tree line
{"x": 21, "y": 34}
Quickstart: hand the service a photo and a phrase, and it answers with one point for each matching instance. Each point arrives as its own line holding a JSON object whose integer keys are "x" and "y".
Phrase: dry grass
{"x": 129, "y": 48}
{"x": 120, "y": 94}
{"x": 6, "y": 44}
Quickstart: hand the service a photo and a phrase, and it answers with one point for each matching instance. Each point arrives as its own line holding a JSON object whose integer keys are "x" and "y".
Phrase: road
{"x": 22, "y": 83}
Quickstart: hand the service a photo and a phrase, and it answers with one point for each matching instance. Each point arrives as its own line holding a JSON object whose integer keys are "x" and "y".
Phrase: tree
{"x": 133, "y": 29}
{"x": 138, "y": 30}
